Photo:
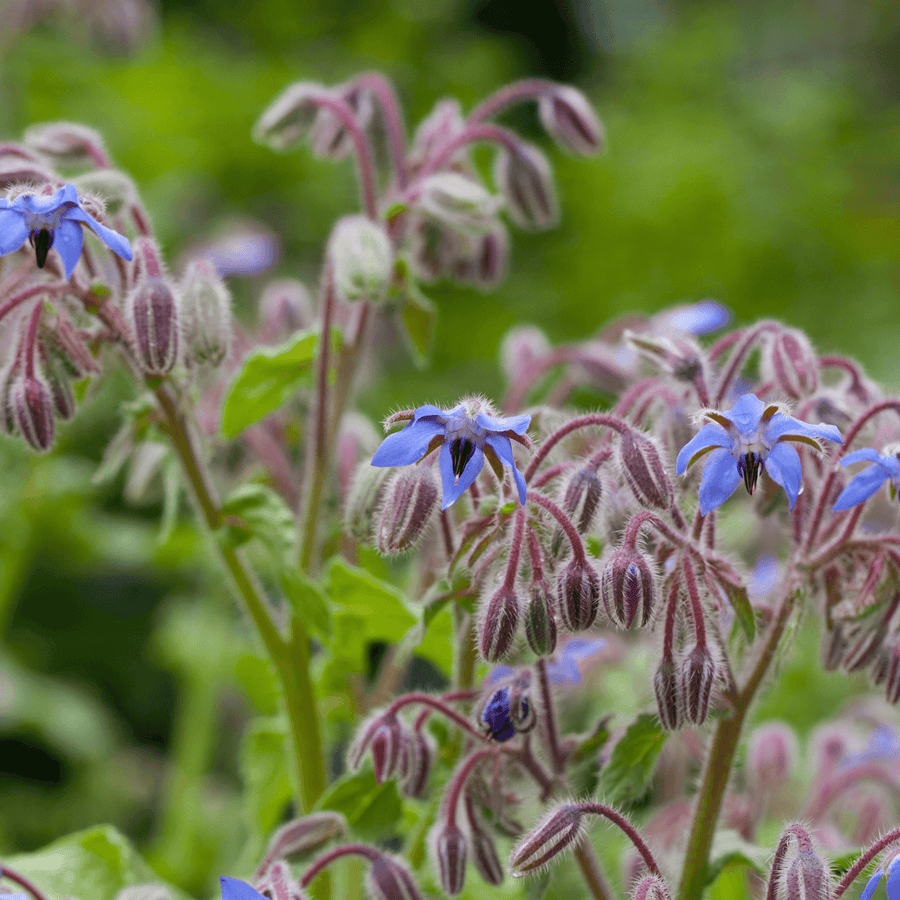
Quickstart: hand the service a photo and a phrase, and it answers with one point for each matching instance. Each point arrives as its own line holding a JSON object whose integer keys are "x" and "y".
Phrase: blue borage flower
{"x": 749, "y": 438}
{"x": 54, "y": 221}
{"x": 886, "y": 467}
{"x": 892, "y": 886}
{"x": 504, "y": 718}
{"x": 467, "y": 435}
{"x": 235, "y": 889}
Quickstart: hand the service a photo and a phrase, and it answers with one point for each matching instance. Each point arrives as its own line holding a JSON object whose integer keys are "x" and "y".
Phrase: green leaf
{"x": 256, "y": 511}
{"x": 730, "y": 850}
{"x": 359, "y": 593}
{"x": 267, "y": 379}
{"x": 308, "y": 601}
{"x": 741, "y": 603}
{"x": 589, "y": 747}
{"x": 263, "y": 765}
{"x": 93, "y": 865}
{"x": 372, "y": 810}
{"x": 418, "y": 317}
{"x": 626, "y": 777}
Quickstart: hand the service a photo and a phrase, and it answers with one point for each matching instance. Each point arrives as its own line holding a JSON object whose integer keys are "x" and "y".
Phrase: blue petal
{"x": 430, "y": 410}
{"x": 42, "y": 205}
{"x": 862, "y": 486}
{"x": 710, "y": 435}
{"x": 452, "y": 492}
{"x": 408, "y": 445}
{"x": 720, "y": 478}
{"x": 118, "y": 244}
{"x": 235, "y": 889}
{"x": 68, "y": 239}
{"x": 782, "y": 427}
{"x": 868, "y": 454}
{"x": 783, "y": 467}
{"x": 503, "y": 448}
{"x": 870, "y": 887}
{"x": 13, "y": 231}
{"x": 516, "y": 424}
{"x": 892, "y": 887}
{"x": 700, "y": 318}
{"x": 746, "y": 413}
{"x": 496, "y": 715}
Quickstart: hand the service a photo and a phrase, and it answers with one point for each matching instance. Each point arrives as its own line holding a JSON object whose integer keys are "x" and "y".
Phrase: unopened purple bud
{"x": 206, "y": 314}
{"x": 290, "y": 116}
{"x": 449, "y": 850}
{"x": 569, "y": 118}
{"x": 644, "y": 471}
{"x": 526, "y": 181}
{"x": 582, "y": 497}
{"x": 329, "y": 137}
{"x": 361, "y": 258}
{"x": 32, "y": 409}
{"x": 578, "y": 595}
{"x": 808, "y": 878}
{"x": 389, "y": 879}
{"x": 410, "y": 501}
{"x": 772, "y": 755}
{"x": 303, "y": 835}
{"x": 540, "y": 621}
{"x": 793, "y": 362}
{"x": 697, "y": 673}
{"x": 484, "y": 856}
{"x": 278, "y": 883}
{"x": 520, "y": 349}
{"x": 651, "y": 887}
{"x": 499, "y": 623}
{"x": 417, "y": 756}
{"x": 558, "y": 831}
{"x": 668, "y": 703}
{"x": 385, "y": 749}
{"x": 491, "y": 257}
{"x": 628, "y": 588}
{"x": 67, "y": 143}
{"x": 154, "y": 314}
{"x": 437, "y": 129}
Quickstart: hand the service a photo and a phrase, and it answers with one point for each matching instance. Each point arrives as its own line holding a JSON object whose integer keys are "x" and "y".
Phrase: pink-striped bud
{"x": 67, "y": 143}
{"x": 289, "y": 117}
{"x": 578, "y": 595}
{"x": 771, "y": 756}
{"x": 417, "y": 756}
{"x": 793, "y": 362}
{"x": 449, "y": 849}
{"x": 628, "y": 588}
{"x": 385, "y": 748}
{"x": 438, "y": 128}
{"x": 303, "y": 835}
{"x": 651, "y": 888}
{"x": 389, "y": 879}
{"x": 644, "y": 471}
{"x": 32, "y": 409}
{"x": 485, "y": 858}
{"x": 278, "y": 883}
{"x": 410, "y": 502}
{"x": 668, "y": 702}
{"x": 206, "y": 314}
{"x": 696, "y": 676}
{"x": 499, "y": 622}
{"x": 808, "y": 878}
{"x": 582, "y": 497}
{"x": 569, "y": 118}
{"x": 154, "y": 315}
{"x": 59, "y": 382}
{"x": 559, "y": 830}
{"x": 524, "y": 177}
{"x": 540, "y": 621}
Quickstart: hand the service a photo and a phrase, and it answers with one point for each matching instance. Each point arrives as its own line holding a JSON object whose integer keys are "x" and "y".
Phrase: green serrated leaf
{"x": 626, "y": 777}
{"x": 308, "y": 601}
{"x": 730, "y": 850}
{"x": 256, "y": 511}
{"x": 267, "y": 379}
{"x": 418, "y": 316}
{"x": 372, "y": 811}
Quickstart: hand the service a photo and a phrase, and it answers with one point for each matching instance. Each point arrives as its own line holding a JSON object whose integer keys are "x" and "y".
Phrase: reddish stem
{"x": 597, "y": 419}
{"x": 22, "y": 881}
{"x": 326, "y": 859}
{"x": 565, "y": 523}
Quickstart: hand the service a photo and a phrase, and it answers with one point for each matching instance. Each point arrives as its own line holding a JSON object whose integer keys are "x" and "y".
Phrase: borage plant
{"x": 588, "y": 545}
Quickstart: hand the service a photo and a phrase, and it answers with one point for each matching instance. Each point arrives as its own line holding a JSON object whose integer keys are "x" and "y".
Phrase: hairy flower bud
{"x": 578, "y": 595}
{"x": 484, "y": 852}
{"x": 289, "y": 117}
{"x": 520, "y": 349}
{"x": 303, "y": 835}
{"x": 559, "y": 830}
{"x": 582, "y": 497}
{"x": 793, "y": 362}
{"x": 389, "y": 879}
{"x": 436, "y": 130}
{"x": 540, "y": 621}
{"x": 499, "y": 622}
{"x": 385, "y": 748}
{"x": 526, "y": 181}
{"x": 696, "y": 676}
{"x": 771, "y": 756}
{"x": 409, "y": 504}
{"x": 668, "y": 702}
{"x": 651, "y": 887}
{"x": 628, "y": 588}
{"x": 115, "y": 187}
{"x": 277, "y": 883}
{"x": 32, "y": 409}
{"x": 205, "y": 314}
{"x": 416, "y": 758}
{"x": 644, "y": 471}
{"x": 154, "y": 314}
{"x": 329, "y": 137}
{"x": 569, "y": 118}
{"x": 361, "y": 259}
{"x": 808, "y": 878}
{"x": 458, "y": 203}
{"x": 449, "y": 849}
{"x": 364, "y": 499}
{"x": 67, "y": 143}
{"x": 490, "y": 258}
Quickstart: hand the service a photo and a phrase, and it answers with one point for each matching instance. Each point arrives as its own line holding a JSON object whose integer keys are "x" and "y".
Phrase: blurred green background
{"x": 753, "y": 158}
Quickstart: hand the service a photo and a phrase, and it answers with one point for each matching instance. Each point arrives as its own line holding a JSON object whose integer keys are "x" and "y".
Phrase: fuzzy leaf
{"x": 372, "y": 811}
{"x": 308, "y": 601}
{"x": 626, "y": 777}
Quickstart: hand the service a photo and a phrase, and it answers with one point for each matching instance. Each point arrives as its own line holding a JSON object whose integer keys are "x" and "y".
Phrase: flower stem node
{"x": 206, "y": 314}
{"x": 560, "y": 830}
{"x": 578, "y": 595}
{"x": 450, "y": 849}
{"x": 499, "y": 623}
{"x": 526, "y": 181}
{"x": 409, "y": 505}
{"x": 696, "y": 676}
{"x": 644, "y": 471}
{"x": 540, "y": 621}
{"x": 361, "y": 259}
{"x": 628, "y": 588}
{"x": 32, "y": 408}
{"x": 571, "y": 121}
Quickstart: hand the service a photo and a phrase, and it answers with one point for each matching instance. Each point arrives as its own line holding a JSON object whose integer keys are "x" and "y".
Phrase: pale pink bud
{"x": 526, "y": 181}
{"x": 154, "y": 314}
{"x": 449, "y": 851}
{"x": 808, "y": 878}
{"x": 459, "y": 203}
{"x": 582, "y": 497}
{"x": 644, "y": 471}
{"x": 569, "y": 118}
{"x": 278, "y": 883}
{"x": 206, "y": 314}
{"x": 499, "y": 622}
{"x": 490, "y": 259}
{"x": 696, "y": 676}
{"x": 793, "y": 362}
{"x": 288, "y": 119}
{"x": 410, "y": 502}
{"x": 560, "y": 829}
{"x": 578, "y": 595}
{"x": 385, "y": 748}
{"x": 668, "y": 703}
{"x": 303, "y": 835}
{"x": 628, "y": 588}
{"x": 32, "y": 409}
{"x": 329, "y": 137}
{"x": 417, "y": 756}
{"x": 540, "y": 621}
{"x": 441, "y": 125}
{"x": 772, "y": 755}
{"x": 521, "y": 348}
{"x": 67, "y": 143}
{"x": 389, "y": 879}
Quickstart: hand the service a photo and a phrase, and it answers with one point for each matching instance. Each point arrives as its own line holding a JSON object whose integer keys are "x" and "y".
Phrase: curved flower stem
{"x": 29, "y": 345}
{"x": 549, "y": 718}
{"x": 853, "y": 872}
{"x": 738, "y": 355}
{"x": 599, "y": 809}
{"x": 564, "y": 521}
{"x": 22, "y": 881}
{"x": 804, "y": 845}
{"x": 515, "y": 549}
{"x": 592, "y": 419}
{"x": 393, "y": 122}
{"x": 471, "y": 134}
{"x": 48, "y": 289}
{"x": 440, "y": 706}
{"x": 458, "y": 782}
{"x": 517, "y": 92}
{"x": 326, "y": 859}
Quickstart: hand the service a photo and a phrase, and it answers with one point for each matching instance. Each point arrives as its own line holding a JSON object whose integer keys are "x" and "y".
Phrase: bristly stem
{"x": 517, "y": 92}
{"x": 22, "y": 881}
{"x": 556, "y": 755}
{"x": 571, "y": 533}
{"x": 472, "y": 134}
{"x": 393, "y": 122}
{"x": 587, "y": 421}
{"x": 853, "y": 872}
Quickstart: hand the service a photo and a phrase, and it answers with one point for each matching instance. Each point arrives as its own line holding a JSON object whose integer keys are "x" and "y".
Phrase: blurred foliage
{"x": 752, "y": 159}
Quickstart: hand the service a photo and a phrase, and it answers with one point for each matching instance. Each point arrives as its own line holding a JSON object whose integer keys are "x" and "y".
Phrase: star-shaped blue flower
{"x": 466, "y": 434}
{"x": 746, "y": 439}
{"x": 863, "y": 485}
{"x": 892, "y": 887}
{"x": 54, "y": 221}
